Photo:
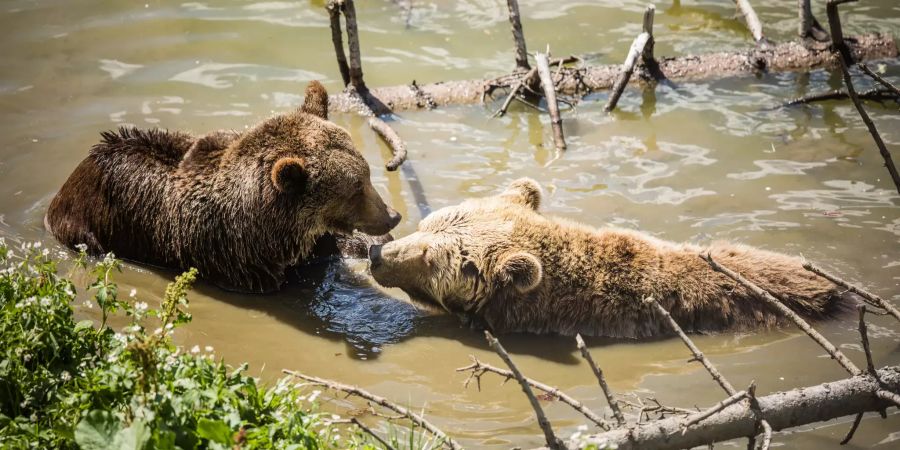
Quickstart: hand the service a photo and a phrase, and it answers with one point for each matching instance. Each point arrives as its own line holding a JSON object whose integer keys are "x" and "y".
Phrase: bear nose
{"x": 375, "y": 256}
{"x": 394, "y": 217}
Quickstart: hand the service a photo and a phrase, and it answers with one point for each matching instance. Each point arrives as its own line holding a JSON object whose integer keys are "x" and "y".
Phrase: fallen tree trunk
{"x": 782, "y": 410}
{"x": 784, "y": 57}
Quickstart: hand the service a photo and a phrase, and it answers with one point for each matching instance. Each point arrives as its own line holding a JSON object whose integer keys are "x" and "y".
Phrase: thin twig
{"x": 889, "y": 396}
{"x": 870, "y": 298}
{"x": 773, "y": 302}
{"x": 552, "y": 441}
{"x": 607, "y": 392}
{"x": 514, "y": 90}
{"x": 478, "y": 368}
{"x": 543, "y": 69}
{"x": 875, "y": 94}
{"x": 753, "y": 23}
{"x": 864, "y": 337}
{"x": 809, "y": 26}
{"x": 518, "y": 35}
{"x": 337, "y": 38}
{"x": 837, "y": 32}
{"x": 878, "y": 78}
{"x": 371, "y": 432}
{"x": 844, "y": 60}
{"x": 852, "y": 430}
{"x": 754, "y": 405}
{"x": 699, "y": 417}
{"x": 698, "y": 355}
{"x": 354, "y": 390}
{"x": 641, "y": 47}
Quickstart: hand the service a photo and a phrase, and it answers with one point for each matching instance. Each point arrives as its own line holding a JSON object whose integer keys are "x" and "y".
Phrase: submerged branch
{"x": 788, "y": 56}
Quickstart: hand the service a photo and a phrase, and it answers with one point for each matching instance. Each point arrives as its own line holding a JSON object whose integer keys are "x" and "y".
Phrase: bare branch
{"x": 607, "y": 392}
{"x": 872, "y": 94}
{"x": 478, "y": 368}
{"x": 870, "y": 298}
{"x": 699, "y": 417}
{"x": 889, "y": 396}
{"x": 356, "y": 391}
{"x": 552, "y": 441}
{"x": 782, "y": 410}
{"x": 372, "y": 433}
{"x": 773, "y": 302}
{"x": 543, "y": 69}
{"x": 864, "y": 337}
{"x": 337, "y": 38}
{"x": 852, "y": 430}
{"x": 518, "y": 35}
{"x": 698, "y": 355}
{"x": 753, "y": 23}
{"x": 878, "y": 78}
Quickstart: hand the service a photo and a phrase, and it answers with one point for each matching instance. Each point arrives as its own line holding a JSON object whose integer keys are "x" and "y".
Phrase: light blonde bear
{"x": 499, "y": 261}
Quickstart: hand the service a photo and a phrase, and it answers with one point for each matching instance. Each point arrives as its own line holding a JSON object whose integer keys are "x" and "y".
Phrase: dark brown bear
{"x": 240, "y": 207}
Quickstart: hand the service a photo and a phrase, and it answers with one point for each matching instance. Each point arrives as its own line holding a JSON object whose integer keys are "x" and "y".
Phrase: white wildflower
{"x": 132, "y": 293}
{"x": 89, "y": 304}
{"x": 45, "y": 301}
{"x": 65, "y": 376}
{"x": 169, "y": 326}
{"x": 36, "y": 244}
{"x": 81, "y": 248}
{"x": 45, "y": 253}
{"x": 195, "y": 349}
{"x": 26, "y": 357}
{"x": 208, "y": 348}
{"x": 140, "y": 306}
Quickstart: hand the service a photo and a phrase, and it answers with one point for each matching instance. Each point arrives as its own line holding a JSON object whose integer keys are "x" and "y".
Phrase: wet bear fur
{"x": 498, "y": 262}
{"x": 240, "y": 207}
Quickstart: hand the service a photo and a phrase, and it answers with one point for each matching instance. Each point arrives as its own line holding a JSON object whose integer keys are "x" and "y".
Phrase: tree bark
{"x": 782, "y": 410}
{"x": 784, "y": 57}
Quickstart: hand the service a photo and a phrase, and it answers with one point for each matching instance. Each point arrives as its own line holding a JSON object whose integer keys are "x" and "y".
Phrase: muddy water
{"x": 693, "y": 162}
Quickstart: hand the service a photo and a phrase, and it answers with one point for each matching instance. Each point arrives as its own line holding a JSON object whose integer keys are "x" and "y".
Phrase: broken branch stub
{"x": 641, "y": 47}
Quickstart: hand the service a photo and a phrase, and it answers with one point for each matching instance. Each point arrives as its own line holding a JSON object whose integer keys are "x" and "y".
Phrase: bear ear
{"x": 521, "y": 270}
{"x": 525, "y": 192}
{"x": 316, "y": 101}
{"x": 289, "y": 175}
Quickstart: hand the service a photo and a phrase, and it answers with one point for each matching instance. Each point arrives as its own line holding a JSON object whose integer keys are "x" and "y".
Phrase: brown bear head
{"x": 462, "y": 256}
{"x": 312, "y": 172}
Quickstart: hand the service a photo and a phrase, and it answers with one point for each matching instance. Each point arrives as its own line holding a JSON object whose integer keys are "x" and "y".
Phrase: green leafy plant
{"x": 70, "y": 385}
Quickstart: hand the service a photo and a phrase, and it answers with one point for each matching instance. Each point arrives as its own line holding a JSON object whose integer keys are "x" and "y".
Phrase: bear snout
{"x": 375, "y": 256}
{"x": 393, "y": 217}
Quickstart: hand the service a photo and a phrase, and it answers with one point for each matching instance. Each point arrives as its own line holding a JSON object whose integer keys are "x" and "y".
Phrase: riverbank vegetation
{"x": 68, "y": 384}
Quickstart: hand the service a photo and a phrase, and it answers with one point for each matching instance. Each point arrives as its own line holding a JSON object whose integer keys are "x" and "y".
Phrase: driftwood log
{"x": 784, "y": 57}
{"x": 782, "y": 410}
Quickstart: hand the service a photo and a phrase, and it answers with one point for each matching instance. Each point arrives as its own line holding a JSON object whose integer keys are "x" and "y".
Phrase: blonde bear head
{"x": 461, "y": 256}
